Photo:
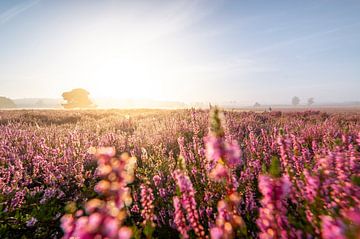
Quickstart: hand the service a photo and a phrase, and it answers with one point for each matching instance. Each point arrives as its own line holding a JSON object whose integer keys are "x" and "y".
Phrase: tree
{"x": 295, "y": 101}
{"x": 310, "y": 101}
{"x": 6, "y": 103}
{"x": 257, "y": 104}
{"x": 77, "y": 98}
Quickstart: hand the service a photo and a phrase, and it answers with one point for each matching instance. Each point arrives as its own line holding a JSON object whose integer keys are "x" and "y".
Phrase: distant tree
{"x": 310, "y": 101}
{"x": 6, "y": 103}
{"x": 77, "y": 98}
{"x": 295, "y": 101}
{"x": 257, "y": 104}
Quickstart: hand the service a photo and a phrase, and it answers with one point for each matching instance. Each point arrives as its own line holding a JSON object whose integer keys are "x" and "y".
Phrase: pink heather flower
{"x": 272, "y": 220}
{"x": 311, "y": 186}
{"x": 18, "y": 199}
{"x": 214, "y": 149}
{"x": 332, "y": 228}
{"x": 135, "y": 208}
{"x": 105, "y": 217}
{"x": 67, "y": 224}
{"x": 162, "y": 192}
{"x": 182, "y": 147}
{"x": 222, "y": 155}
{"x": 216, "y": 233}
{"x": 194, "y": 171}
{"x": 250, "y": 199}
{"x": 94, "y": 222}
{"x": 233, "y": 154}
{"x": 188, "y": 202}
{"x": 147, "y": 203}
{"x": 353, "y": 215}
{"x": 179, "y": 218}
{"x": 105, "y": 152}
{"x": 209, "y": 212}
{"x": 217, "y": 149}
{"x": 157, "y": 180}
{"x": 110, "y": 227}
{"x": 352, "y": 219}
{"x": 222, "y": 159}
{"x": 227, "y": 220}
{"x": 219, "y": 173}
{"x": 125, "y": 233}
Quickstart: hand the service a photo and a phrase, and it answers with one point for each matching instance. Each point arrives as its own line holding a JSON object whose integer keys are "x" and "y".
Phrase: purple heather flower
{"x": 135, "y": 208}
{"x": 162, "y": 192}
{"x": 157, "y": 180}
{"x": 332, "y": 228}
{"x": 31, "y": 222}
{"x": 105, "y": 217}
{"x": 188, "y": 202}
{"x": 179, "y": 218}
{"x": 216, "y": 233}
{"x": 272, "y": 220}
{"x": 147, "y": 203}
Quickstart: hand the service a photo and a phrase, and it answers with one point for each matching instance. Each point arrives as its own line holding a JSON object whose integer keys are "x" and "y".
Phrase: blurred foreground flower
{"x": 272, "y": 221}
{"x": 228, "y": 219}
{"x": 223, "y": 157}
{"x": 104, "y": 218}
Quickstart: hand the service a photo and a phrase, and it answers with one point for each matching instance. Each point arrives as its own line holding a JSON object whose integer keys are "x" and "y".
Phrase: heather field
{"x": 179, "y": 174}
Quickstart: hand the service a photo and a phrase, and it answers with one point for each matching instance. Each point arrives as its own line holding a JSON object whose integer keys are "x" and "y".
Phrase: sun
{"x": 131, "y": 72}
{"x": 126, "y": 77}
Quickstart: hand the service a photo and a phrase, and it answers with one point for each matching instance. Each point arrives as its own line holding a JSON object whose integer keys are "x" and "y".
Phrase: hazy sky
{"x": 246, "y": 51}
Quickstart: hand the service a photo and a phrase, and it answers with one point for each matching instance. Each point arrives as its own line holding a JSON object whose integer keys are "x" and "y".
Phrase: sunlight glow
{"x": 121, "y": 67}
{"x": 128, "y": 75}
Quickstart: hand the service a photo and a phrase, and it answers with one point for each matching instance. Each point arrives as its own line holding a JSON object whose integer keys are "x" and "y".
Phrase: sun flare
{"x": 122, "y": 68}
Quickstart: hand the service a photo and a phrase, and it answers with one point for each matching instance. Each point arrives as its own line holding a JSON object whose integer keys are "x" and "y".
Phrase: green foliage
{"x": 356, "y": 180}
{"x": 275, "y": 167}
{"x": 215, "y": 122}
{"x": 148, "y": 229}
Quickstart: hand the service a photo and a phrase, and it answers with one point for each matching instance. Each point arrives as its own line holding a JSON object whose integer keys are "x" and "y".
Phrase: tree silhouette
{"x": 257, "y": 104}
{"x": 6, "y": 103}
{"x": 295, "y": 101}
{"x": 77, "y": 98}
{"x": 310, "y": 101}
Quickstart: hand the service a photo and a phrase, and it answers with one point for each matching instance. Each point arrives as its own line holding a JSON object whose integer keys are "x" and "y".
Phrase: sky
{"x": 191, "y": 51}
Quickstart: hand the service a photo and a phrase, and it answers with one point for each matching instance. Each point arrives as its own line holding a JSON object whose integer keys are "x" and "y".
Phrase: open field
{"x": 239, "y": 174}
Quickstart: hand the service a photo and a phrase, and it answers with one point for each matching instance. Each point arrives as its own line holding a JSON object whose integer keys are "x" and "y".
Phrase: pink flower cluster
{"x": 104, "y": 218}
{"x": 147, "y": 203}
{"x": 228, "y": 219}
{"x": 272, "y": 220}
{"x": 187, "y": 199}
{"x": 224, "y": 188}
{"x": 222, "y": 156}
{"x": 179, "y": 218}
